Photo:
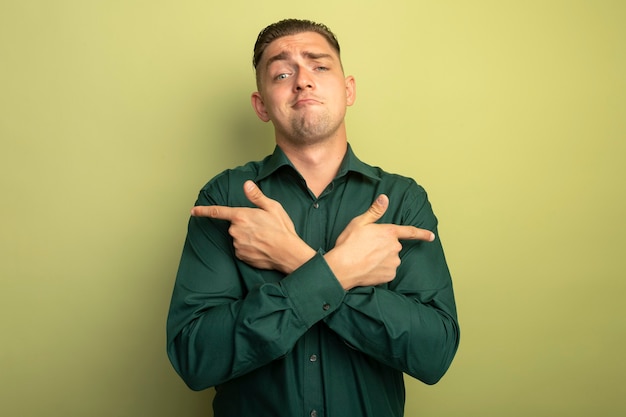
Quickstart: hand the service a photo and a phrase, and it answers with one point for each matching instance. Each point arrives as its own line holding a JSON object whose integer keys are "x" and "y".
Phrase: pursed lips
{"x": 303, "y": 101}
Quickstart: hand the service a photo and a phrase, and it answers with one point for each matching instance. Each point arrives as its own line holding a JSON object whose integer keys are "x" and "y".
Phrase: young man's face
{"x": 302, "y": 88}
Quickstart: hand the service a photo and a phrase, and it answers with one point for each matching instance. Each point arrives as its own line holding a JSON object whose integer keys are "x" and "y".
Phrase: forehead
{"x": 298, "y": 44}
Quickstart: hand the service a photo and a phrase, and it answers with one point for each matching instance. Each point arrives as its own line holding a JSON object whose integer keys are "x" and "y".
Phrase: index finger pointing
{"x": 413, "y": 233}
{"x": 213, "y": 212}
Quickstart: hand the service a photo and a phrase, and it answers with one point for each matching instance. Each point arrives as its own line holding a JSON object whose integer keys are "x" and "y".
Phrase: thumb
{"x": 254, "y": 194}
{"x": 376, "y": 210}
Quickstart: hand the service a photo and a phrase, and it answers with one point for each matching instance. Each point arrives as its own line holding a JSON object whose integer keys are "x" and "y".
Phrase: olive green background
{"x": 512, "y": 114}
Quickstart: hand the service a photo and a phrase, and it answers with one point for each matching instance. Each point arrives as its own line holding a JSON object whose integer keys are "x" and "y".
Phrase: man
{"x": 310, "y": 281}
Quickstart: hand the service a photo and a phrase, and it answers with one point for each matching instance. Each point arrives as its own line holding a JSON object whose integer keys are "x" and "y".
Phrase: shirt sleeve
{"x": 226, "y": 318}
{"x": 411, "y": 323}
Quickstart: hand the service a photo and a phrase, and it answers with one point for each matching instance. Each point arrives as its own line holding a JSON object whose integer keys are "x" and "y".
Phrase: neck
{"x": 317, "y": 163}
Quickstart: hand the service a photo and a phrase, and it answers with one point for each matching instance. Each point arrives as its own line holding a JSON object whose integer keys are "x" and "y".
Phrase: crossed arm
{"x": 365, "y": 254}
{"x": 217, "y": 332}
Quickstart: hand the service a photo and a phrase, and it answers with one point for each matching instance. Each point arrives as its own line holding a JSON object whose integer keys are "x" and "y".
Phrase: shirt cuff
{"x": 313, "y": 290}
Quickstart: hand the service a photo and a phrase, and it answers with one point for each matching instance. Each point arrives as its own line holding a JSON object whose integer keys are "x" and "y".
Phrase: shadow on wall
{"x": 243, "y": 136}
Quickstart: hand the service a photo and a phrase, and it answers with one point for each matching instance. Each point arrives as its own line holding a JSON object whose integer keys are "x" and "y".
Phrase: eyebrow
{"x": 283, "y": 56}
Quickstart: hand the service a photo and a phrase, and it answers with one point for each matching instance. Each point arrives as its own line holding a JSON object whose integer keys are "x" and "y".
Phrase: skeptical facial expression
{"x": 302, "y": 89}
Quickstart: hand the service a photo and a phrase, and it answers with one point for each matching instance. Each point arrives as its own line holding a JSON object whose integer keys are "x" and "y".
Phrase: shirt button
{"x": 316, "y": 205}
{"x": 313, "y": 413}
{"x": 313, "y": 358}
{"x": 326, "y": 307}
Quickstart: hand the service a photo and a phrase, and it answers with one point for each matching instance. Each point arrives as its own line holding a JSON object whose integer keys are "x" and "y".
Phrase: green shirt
{"x": 299, "y": 345}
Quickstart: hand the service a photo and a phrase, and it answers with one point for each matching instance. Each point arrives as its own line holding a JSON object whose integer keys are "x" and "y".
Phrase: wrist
{"x": 343, "y": 273}
{"x": 296, "y": 255}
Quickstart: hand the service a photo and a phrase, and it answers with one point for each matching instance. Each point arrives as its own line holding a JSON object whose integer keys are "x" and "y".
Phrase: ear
{"x": 259, "y": 106}
{"x": 350, "y": 90}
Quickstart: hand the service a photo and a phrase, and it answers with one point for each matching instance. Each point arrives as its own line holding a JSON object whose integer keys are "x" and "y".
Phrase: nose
{"x": 303, "y": 80}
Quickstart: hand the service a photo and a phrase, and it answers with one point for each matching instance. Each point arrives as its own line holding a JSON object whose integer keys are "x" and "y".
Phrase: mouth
{"x": 306, "y": 101}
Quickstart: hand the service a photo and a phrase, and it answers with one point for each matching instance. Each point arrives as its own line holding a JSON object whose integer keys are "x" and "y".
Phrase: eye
{"x": 281, "y": 76}
{"x": 322, "y": 68}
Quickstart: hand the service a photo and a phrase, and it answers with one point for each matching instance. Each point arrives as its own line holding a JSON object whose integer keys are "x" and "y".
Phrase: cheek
{"x": 340, "y": 87}
{"x": 275, "y": 99}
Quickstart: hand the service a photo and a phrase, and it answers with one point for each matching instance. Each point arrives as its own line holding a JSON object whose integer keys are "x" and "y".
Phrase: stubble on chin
{"x": 310, "y": 130}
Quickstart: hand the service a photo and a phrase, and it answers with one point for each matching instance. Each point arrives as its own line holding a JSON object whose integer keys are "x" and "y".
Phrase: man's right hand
{"x": 367, "y": 253}
{"x": 263, "y": 237}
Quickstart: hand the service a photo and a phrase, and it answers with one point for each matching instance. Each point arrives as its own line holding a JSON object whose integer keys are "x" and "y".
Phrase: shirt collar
{"x": 350, "y": 163}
